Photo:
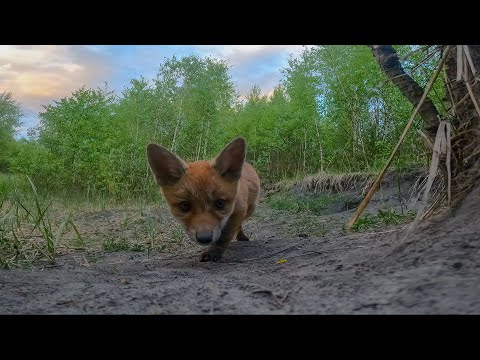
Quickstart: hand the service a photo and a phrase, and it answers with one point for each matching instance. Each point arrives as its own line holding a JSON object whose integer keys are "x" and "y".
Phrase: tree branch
{"x": 387, "y": 58}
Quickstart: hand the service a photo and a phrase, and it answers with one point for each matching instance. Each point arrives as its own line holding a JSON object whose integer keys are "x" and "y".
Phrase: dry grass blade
{"x": 426, "y": 139}
{"x": 79, "y": 237}
{"x": 469, "y": 59}
{"x": 467, "y": 95}
{"x": 447, "y": 84}
{"x": 465, "y": 69}
{"x": 439, "y": 148}
{"x": 459, "y": 62}
{"x": 472, "y": 96}
{"x": 448, "y": 162}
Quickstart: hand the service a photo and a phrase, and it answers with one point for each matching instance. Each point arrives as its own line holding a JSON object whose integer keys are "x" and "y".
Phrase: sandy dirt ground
{"x": 294, "y": 264}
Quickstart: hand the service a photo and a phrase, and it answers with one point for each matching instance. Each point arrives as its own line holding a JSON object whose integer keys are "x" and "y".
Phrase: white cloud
{"x": 37, "y": 74}
{"x": 241, "y": 55}
{"x": 254, "y": 64}
{"x": 72, "y": 67}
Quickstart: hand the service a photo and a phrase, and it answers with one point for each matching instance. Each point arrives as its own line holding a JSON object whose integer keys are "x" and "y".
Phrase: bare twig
{"x": 287, "y": 294}
{"x": 410, "y": 53}
{"x": 448, "y": 162}
{"x": 420, "y": 63}
{"x": 426, "y": 138}
{"x": 473, "y": 154}
{"x": 449, "y": 90}
{"x": 310, "y": 252}
{"x": 470, "y": 92}
{"x": 469, "y": 58}
{"x": 459, "y": 62}
{"x": 452, "y": 109}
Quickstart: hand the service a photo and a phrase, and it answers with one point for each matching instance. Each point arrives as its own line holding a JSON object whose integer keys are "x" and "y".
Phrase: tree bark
{"x": 387, "y": 58}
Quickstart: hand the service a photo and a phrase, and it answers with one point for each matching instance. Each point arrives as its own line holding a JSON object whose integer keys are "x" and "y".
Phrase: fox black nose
{"x": 204, "y": 237}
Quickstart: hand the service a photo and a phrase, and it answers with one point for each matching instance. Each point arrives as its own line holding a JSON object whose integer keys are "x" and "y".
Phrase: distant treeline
{"x": 333, "y": 111}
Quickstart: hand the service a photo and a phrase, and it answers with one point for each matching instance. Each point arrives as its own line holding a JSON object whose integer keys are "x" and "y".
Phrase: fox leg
{"x": 215, "y": 251}
{"x": 241, "y": 235}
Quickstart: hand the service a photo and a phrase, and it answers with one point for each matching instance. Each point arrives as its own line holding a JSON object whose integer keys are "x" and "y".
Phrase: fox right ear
{"x": 166, "y": 166}
{"x": 229, "y": 162}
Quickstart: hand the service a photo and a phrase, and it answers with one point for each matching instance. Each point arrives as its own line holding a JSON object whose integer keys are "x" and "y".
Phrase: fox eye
{"x": 220, "y": 204}
{"x": 185, "y": 206}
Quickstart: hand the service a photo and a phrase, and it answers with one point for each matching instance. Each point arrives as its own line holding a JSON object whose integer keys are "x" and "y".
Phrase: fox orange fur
{"x": 212, "y": 198}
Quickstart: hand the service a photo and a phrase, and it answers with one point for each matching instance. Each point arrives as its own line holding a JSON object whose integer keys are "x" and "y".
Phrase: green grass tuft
{"x": 383, "y": 218}
{"x": 28, "y": 231}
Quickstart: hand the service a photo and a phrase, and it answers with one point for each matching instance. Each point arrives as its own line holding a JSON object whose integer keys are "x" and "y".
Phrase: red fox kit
{"x": 211, "y": 199}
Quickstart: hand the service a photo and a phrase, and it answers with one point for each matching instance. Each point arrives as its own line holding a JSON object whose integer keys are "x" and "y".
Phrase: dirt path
{"x": 434, "y": 270}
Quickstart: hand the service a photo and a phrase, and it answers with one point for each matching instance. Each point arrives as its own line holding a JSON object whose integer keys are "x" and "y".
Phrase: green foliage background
{"x": 333, "y": 111}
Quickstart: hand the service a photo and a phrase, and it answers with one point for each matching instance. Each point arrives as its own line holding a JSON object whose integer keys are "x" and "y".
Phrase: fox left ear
{"x": 229, "y": 162}
{"x": 166, "y": 166}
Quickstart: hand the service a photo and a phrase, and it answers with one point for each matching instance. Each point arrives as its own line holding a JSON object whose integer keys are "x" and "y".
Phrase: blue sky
{"x": 38, "y": 74}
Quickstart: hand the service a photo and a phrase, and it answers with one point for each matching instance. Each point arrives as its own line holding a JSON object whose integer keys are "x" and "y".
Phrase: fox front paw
{"x": 211, "y": 255}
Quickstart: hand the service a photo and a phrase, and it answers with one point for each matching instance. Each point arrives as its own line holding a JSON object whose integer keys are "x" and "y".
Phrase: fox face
{"x": 201, "y": 195}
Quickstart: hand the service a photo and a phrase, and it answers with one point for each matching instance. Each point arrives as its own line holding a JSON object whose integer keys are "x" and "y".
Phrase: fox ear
{"x": 166, "y": 166}
{"x": 229, "y": 162}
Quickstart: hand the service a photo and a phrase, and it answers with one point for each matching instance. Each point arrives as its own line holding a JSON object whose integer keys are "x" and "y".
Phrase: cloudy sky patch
{"x": 39, "y": 74}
